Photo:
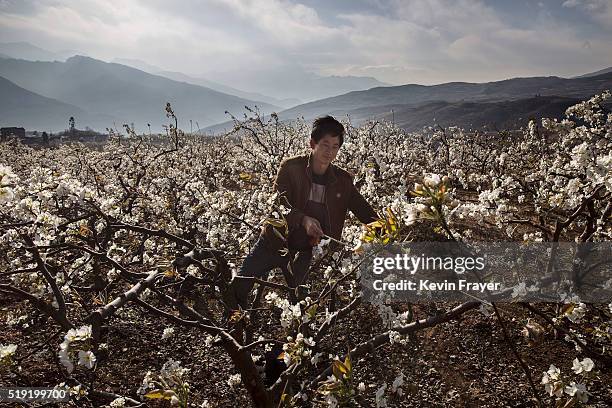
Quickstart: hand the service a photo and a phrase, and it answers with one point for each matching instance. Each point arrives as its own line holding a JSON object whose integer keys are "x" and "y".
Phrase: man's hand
{"x": 312, "y": 227}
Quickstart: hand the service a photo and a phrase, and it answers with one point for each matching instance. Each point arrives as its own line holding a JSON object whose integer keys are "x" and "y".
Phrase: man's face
{"x": 326, "y": 150}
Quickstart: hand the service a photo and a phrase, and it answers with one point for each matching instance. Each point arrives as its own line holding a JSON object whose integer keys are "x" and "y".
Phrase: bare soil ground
{"x": 465, "y": 363}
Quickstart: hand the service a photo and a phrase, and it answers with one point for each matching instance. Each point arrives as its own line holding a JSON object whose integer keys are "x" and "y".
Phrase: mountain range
{"x": 27, "y": 51}
{"x": 178, "y": 76}
{"x": 133, "y": 91}
{"x": 181, "y": 77}
{"x": 288, "y": 82}
{"x": 113, "y": 94}
{"x": 32, "y": 111}
{"x": 596, "y": 73}
{"x": 414, "y": 95}
{"x": 284, "y": 86}
{"x": 42, "y": 95}
{"x": 468, "y": 115}
{"x": 471, "y": 105}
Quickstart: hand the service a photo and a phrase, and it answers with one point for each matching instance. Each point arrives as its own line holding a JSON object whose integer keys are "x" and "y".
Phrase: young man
{"x": 318, "y": 194}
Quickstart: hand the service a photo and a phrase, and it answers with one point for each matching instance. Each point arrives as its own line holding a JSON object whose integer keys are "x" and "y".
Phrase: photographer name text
{"x": 428, "y": 285}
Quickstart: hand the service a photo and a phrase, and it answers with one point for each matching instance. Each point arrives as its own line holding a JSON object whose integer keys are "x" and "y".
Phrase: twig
{"x": 370, "y": 345}
{"x": 517, "y": 355}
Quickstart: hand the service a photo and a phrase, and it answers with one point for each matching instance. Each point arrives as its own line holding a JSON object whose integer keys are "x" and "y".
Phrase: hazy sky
{"x": 412, "y": 41}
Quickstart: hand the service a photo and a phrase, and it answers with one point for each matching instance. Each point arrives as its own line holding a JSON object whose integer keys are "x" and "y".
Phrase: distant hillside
{"x": 284, "y": 86}
{"x": 138, "y": 64}
{"x": 178, "y": 76}
{"x": 596, "y": 73}
{"x": 181, "y": 77}
{"x": 469, "y": 115}
{"x": 22, "y": 108}
{"x": 292, "y": 82}
{"x": 24, "y": 50}
{"x": 125, "y": 93}
{"x": 466, "y": 115}
{"x": 416, "y": 95}
{"x": 27, "y": 51}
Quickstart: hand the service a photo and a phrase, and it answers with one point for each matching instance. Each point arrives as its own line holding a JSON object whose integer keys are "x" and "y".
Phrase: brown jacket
{"x": 293, "y": 183}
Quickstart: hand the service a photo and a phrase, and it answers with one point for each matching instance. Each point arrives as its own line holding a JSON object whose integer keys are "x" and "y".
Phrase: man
{"x": 318, "y": 194}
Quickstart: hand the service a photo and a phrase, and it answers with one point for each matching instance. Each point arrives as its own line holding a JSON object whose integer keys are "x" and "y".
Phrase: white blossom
{"x": 381, "y": 401}
{"x": 168, "y": 333}
{"x": 583, "y": 366}
{"x": 576, "y": 312}
{"x": 396, "y": 386}
{"x": 578, "y": 390}
{"x": 87, "y": 359}
{"x": 118, "y": 403}
{"x": 7, "y": 351}
{"x": 551, "y": 381}
{"x": 234, "y": 380}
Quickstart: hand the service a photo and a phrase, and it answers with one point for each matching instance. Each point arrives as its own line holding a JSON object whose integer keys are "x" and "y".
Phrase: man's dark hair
{"x": 327, "y": 125}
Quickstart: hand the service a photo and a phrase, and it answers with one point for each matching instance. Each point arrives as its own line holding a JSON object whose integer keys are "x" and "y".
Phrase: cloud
{"x": 435, "y": 41}
{"x": 599, "y": 10}
{"x": 112, "y": 28}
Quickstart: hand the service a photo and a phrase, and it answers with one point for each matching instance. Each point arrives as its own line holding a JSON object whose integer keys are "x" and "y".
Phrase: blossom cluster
{"x": 76, "y": 346}
{"x": 556, "y": 384}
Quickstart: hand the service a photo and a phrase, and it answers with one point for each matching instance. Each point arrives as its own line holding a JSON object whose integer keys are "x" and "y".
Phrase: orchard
{"x": 115, "y": 263}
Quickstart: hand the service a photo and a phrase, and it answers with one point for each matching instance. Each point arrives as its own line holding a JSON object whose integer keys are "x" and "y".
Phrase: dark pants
{"x": 263, "y": 259}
